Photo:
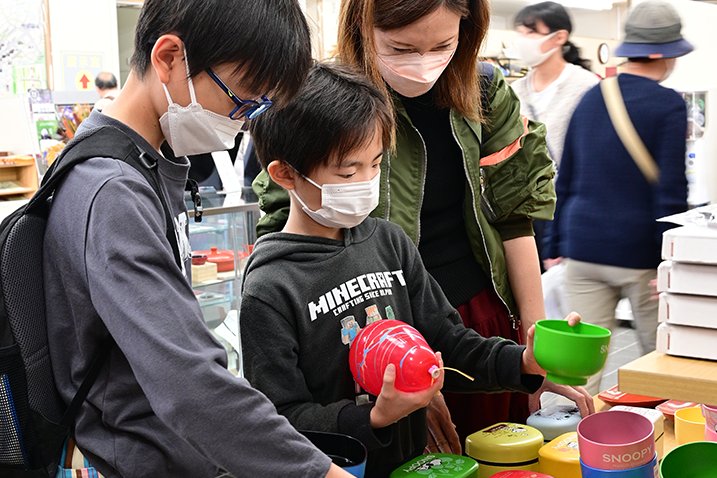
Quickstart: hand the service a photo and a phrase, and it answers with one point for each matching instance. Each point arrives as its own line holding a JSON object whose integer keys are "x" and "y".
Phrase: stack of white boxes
{"x": 687, "y": 280}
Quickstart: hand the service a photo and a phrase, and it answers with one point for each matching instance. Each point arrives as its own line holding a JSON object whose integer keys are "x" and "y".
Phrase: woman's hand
{"x": 528, "y": 364}
{"x": 442, "y": 436}
{"x": 392, "y": 405}
{"x": 579, "y": 395}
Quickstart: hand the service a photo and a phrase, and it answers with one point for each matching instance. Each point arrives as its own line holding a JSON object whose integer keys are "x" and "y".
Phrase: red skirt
{"x": 471, "y": 412}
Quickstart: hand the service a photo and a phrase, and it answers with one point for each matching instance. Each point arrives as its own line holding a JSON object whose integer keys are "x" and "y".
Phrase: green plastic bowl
{"x": 691, "y": 460}
{"x": 570, "y": 355}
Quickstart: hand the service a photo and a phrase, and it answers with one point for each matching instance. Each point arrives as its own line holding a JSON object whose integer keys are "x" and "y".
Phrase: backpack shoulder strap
{"x": 106, "y": 142}
{"x": 626, "y": 131}
{"x": 486, "y": 72}
{"x": 98, "y": 362}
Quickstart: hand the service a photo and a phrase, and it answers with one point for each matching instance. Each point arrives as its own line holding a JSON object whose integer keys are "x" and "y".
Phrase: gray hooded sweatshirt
{"x": 305, "y": 297}
{"x": 165, "y": 404}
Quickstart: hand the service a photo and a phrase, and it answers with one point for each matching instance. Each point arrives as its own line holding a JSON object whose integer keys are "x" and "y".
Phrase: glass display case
{"x": 225, "y": 238}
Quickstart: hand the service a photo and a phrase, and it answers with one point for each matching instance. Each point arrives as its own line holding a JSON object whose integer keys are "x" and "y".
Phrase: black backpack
{"x": 34, "y": 421}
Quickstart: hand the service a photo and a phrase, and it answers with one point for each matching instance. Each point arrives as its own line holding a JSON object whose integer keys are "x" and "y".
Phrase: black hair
{"x": 337, "y": 111}
{"x": 106, "y": 81}
{"x": 266, "y": 40}
{"x": 555, "y": 18}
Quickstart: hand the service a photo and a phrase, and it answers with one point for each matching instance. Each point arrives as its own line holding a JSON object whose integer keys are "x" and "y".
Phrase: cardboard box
{"x": 682, "y": 278}
{"x": 692, "y": 310}
{"x": 685, "y": 341}
{"x": 693, "y": 244}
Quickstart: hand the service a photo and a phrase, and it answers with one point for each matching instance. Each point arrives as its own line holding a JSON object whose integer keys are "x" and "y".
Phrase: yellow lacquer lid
{"x": 561, "y": 457}
{"x": 505, "y": 444}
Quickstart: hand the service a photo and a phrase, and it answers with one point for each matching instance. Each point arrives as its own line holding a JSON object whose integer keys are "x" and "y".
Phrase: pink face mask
{"x": 412, "y": 74}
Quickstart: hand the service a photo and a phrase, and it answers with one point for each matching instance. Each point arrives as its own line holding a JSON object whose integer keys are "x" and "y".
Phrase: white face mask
{"x": 412, "y": 74}
{"x": 669, "y": 68}
{"x": 344, "y": 205}
{"x": 191, "y": 130}
{"x": 529, "y": 49}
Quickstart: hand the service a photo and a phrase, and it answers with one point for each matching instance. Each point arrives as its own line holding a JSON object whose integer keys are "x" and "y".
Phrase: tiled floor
{"x": 624, "y": 348}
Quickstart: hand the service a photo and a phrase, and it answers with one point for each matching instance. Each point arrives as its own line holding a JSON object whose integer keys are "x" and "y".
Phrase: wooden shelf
{"x": 16, "y": 191}
{"x": 23, "y": 174}
{"x": 18, "y": 165}
{"x": 665, "y": 376}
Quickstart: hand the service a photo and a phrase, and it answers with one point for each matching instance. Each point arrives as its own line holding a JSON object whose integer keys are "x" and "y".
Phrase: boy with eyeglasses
{"x": 164, "y": 403}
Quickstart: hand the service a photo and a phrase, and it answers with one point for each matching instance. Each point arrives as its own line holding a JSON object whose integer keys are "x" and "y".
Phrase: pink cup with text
{"x": 616, "y": 440}
{"x": 710, "y": 414}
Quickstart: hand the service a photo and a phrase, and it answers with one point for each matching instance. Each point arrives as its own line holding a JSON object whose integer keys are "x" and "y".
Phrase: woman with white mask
{"x": 466, "y": 179}
{"x": 558, "y": 77}
{"x": 557, "y": 80}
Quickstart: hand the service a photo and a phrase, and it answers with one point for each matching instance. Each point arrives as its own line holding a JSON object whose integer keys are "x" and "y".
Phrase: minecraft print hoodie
{"x": 306, "y": 297}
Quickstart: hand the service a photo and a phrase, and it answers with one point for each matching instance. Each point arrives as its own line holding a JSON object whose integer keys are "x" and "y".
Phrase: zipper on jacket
{"x": 423, "y": 184}
{"x": 481, "y": 175}
{"x": 475, "y": 212}
{"x": 387, "y": 214}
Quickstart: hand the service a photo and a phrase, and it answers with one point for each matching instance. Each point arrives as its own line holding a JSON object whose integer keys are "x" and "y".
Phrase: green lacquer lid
{"x": 438, "y": 465}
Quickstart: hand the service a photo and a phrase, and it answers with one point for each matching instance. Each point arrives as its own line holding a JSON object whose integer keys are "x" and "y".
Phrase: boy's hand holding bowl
{"x": 568, "y": 352}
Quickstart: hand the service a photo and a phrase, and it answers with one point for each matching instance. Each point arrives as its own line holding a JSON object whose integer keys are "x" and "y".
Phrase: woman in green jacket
{"x": 468, "y": 176}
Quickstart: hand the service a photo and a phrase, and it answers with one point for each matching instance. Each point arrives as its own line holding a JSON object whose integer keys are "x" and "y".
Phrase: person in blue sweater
{"x": 605, "y": 226}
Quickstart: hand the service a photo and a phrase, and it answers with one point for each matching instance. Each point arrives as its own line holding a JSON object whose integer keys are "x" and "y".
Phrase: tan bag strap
{"x": 626, "y": 130}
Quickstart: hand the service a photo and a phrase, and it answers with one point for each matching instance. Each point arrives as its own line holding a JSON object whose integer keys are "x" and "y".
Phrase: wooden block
{"x": 205, "y": 272}
{"x": 677, "y": 378}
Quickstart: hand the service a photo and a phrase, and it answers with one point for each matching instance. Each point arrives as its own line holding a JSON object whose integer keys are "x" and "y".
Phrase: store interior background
{"x": 107, "y": 27}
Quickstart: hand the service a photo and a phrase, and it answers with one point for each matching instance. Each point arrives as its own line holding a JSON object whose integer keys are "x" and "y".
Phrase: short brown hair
{"x": 337, "y": 111}
{"x": 458, "y": 86}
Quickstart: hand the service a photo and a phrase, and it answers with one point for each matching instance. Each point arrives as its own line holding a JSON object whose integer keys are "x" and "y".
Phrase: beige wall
{"x": 16, "y": 137}
{"x": 586, "y": 23}
{"x": 126, "y": 23}
{"x": 84, "y": 25}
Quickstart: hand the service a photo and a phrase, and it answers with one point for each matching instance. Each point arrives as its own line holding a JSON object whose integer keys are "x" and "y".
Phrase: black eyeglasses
{"x": 245, "y": 108}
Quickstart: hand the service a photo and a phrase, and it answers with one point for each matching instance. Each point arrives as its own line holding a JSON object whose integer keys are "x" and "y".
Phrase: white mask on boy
{"x": 191, "y": 130}
{"x": 344, "y": 205}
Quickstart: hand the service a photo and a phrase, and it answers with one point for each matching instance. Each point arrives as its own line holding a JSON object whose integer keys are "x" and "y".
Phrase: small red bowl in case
{"x": 198, "y": 260}
{"x": 224, "y": 259}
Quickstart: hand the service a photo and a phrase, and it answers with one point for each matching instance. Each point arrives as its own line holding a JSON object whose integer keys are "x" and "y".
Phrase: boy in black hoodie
{"x": 310, "y": 288}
